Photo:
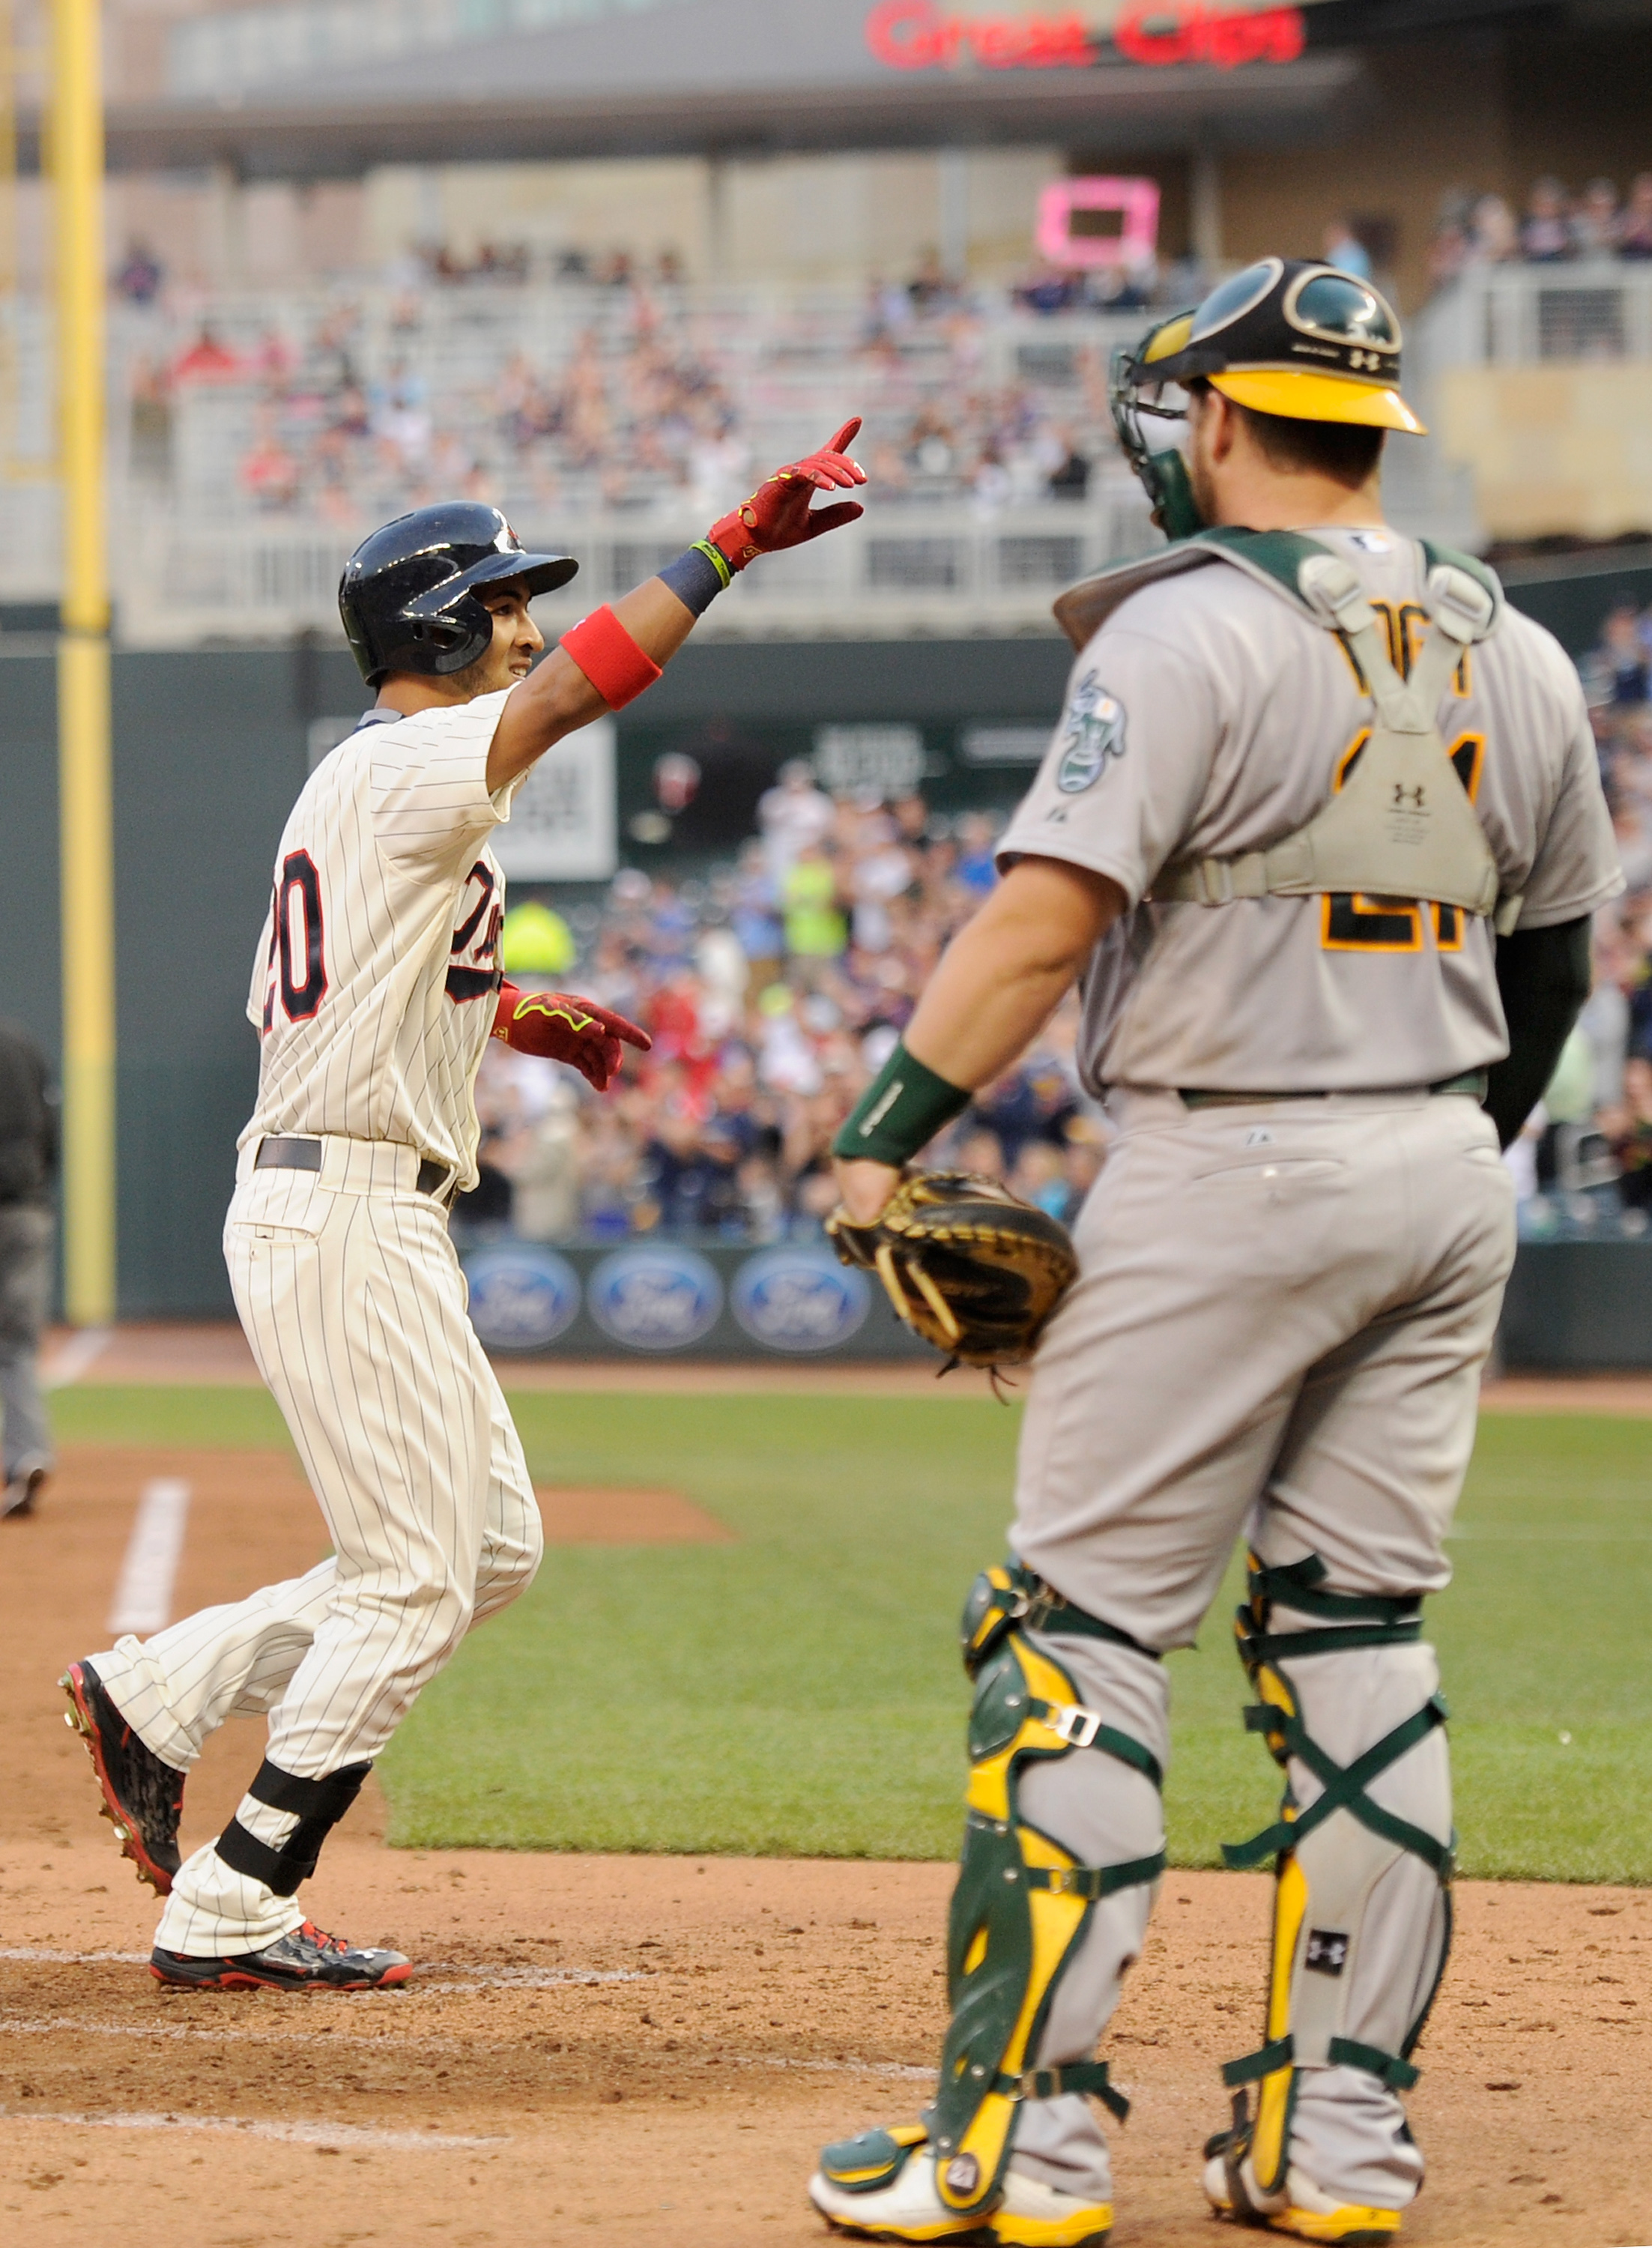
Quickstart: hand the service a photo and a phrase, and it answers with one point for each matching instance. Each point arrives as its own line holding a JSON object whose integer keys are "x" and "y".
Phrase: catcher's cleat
{"x": 1299, "y": 2208}
{"x": 143, "y": 1797}
{"x": 17, "y": 1496}
{"x": 882, "y": 2186}
{"x": 1034, "y": 2216}
{"x": 307, "y": 1959}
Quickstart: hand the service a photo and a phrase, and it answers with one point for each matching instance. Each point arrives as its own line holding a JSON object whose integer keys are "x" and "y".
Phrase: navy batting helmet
{"x": 408, "y": 596}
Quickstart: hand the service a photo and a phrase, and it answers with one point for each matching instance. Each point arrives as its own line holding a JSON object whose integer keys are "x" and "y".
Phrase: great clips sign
{"x": 920, "y": 35}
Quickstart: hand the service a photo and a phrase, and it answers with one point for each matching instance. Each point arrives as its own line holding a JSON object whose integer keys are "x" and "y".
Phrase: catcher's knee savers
{"x": 1022, "y": 1903}
{"x": 1329, "y": 1858}
{"x": 315, "y": 1806}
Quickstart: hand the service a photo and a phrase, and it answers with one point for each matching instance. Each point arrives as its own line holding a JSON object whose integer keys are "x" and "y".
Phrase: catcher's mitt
{"x": 967, "y": 1264}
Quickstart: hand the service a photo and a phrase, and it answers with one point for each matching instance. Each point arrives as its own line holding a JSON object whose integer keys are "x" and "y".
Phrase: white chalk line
{"x": 299, "y": 2135}
{"x": 831, "y": 2067}
{"x": 35, "y": 1951}
{"x": 527, "y": 1978}
{"x": 75, "y": 1357}
{"x": 143, "y": 1597}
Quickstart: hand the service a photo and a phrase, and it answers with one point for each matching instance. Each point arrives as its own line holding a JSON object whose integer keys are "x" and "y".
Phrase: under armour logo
{"x": 1327, "y": 1951}
{"x": 1401, "y": 793}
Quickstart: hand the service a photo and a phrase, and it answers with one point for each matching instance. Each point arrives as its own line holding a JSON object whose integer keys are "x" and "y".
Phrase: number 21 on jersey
{"x": 1351, "y": 923}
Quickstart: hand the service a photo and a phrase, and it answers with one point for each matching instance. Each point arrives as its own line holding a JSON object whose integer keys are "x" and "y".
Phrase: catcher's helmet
{"x": 1286, "y": 336}
{"x": 408, "y": 593}
{"x": 1289, "y": 337}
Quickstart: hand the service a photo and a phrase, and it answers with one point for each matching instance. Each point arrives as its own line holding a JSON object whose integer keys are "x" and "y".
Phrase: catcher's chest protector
{"x": 1400, "y": 824}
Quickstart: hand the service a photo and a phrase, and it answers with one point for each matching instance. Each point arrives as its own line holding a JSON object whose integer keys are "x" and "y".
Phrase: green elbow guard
{"x": 900, "y": 1112}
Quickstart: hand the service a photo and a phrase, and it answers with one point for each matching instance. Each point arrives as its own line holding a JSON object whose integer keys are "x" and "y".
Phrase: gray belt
{"x": 1472, "y": 1084}
{"x": 433, "y": 1178}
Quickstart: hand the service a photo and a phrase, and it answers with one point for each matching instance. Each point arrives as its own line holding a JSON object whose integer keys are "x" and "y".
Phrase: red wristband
{"x": 610, "y": 659}
{"x": 505, "y": 1007}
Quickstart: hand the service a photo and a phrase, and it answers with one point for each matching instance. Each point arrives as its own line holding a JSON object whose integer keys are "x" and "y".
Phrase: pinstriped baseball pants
{"x": 353, "y": 1302}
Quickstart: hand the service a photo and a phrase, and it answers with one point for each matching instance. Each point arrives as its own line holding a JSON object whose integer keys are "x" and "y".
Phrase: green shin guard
{"x": 1328, "y": 1857}
{"x": 1023, "y": 1903}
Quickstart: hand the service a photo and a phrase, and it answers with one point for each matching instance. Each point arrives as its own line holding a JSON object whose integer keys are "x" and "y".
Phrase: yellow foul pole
{"x": 84, "y": 764}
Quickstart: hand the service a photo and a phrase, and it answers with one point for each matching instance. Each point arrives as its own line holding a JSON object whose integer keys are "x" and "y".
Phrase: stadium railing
{"x": 1521, "y": 315}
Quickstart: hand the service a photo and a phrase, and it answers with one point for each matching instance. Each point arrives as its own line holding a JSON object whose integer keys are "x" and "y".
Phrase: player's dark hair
{"x": 1344, "y": 451}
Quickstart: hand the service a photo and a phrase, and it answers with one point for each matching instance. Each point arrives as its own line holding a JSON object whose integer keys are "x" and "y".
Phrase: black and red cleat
{"x": 305, "y": 1960}
{"x": 142, "y": 1798}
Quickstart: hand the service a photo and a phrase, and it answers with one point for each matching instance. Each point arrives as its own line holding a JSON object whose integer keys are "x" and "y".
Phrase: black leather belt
{"x": 306, "y": 1156}
{"x": 1473, "y": 1085}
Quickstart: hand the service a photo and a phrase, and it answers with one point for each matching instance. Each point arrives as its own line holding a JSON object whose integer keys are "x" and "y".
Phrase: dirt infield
{"x": 648, "y": 2050}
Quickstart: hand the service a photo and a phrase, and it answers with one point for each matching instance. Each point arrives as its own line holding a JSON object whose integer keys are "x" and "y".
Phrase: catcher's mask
{"x": 410, "y": 594}
{"x": 1285, "y": 336}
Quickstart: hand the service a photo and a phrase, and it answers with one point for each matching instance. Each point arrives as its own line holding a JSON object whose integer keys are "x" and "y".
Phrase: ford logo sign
{"x": 655, "y": 1297}
{"x": 800, "y": 1299}
{"x": 522, "y": 1297}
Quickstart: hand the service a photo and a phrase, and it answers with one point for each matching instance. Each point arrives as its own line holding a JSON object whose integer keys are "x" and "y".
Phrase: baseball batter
{"x": 375, "y": 987}
{"x": 1319, "y": 837}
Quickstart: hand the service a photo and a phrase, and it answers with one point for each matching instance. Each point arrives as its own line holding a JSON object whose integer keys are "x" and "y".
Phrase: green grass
{"x": 800, "y": 1691}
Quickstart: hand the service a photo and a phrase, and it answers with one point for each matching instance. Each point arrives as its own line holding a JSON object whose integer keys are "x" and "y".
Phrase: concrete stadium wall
{"x": 1562, "y": 448}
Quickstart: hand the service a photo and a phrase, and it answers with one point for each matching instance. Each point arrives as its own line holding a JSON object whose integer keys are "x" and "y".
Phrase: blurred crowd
{"x": 1585, "y": 1158}
{"x": 1555, "y": 226}
{"x": 609, "y": 387}
{"x": 774, "y": 991}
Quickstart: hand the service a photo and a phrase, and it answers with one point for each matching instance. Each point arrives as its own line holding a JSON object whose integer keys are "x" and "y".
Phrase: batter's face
{"x": 517, "y": 640}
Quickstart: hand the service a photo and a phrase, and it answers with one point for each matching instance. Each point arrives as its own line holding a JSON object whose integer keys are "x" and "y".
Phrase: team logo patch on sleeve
{"x": 1094, "y": 733}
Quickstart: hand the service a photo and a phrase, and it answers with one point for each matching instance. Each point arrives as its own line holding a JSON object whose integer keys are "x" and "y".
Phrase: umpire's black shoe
{"x": 306, "y": 1960}
{"x": 142, "y": 1798}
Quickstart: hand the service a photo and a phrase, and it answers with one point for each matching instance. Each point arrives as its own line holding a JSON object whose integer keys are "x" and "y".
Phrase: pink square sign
{"x": 1099, "y": 222}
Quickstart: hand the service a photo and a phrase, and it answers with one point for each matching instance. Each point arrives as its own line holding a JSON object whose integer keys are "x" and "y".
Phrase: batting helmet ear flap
{"x": 445, "y": 632}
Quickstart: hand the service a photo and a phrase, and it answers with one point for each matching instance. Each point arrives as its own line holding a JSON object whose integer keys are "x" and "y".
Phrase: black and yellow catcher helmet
{"x": 1285, "y": 336}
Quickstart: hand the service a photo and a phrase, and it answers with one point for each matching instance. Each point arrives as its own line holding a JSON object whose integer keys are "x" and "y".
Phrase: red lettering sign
{"x": 1162, "y": 35}
{"x": 917, "y": 35}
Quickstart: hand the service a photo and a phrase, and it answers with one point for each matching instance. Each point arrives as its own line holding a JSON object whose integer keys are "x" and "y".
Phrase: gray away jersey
{"x": 375, "y": 983}
{"x": 1209, "y": 716}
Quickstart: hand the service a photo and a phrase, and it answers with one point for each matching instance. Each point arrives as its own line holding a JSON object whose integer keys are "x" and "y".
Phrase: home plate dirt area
{"x": 650, "y": 2050}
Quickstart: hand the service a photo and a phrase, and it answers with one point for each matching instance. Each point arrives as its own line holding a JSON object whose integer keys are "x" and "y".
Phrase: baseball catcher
{"x": 1318, "y": 838}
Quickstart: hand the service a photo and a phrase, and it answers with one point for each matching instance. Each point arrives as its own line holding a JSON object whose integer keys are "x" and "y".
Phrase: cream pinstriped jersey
{"x": 374, "y": 987}
{"x": 1209, "y": 716}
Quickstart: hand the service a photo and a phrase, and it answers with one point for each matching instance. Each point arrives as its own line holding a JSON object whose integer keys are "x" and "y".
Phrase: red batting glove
{"x": 560, "y": 1029}
{"x": 776, "y": 515}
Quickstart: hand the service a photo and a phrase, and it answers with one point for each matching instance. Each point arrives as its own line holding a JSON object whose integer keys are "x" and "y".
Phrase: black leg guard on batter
{"x": 317, "y": 1806}
{"x": 1023, "y": 1902}
{"x": 1329, "y": 1854}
